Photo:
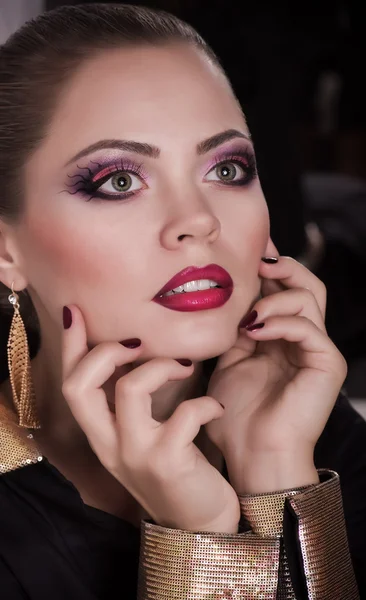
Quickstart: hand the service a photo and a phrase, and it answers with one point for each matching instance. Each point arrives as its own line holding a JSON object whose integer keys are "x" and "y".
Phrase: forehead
{"x": 160, "y": 95}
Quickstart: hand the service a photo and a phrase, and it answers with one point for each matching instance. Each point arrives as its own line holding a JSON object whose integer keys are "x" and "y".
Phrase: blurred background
{"x": 297, "y": 69}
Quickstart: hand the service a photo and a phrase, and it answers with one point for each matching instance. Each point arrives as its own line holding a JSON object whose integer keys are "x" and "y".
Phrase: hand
{"x": 158, "y": 463}
{"x": 278, "y": 384}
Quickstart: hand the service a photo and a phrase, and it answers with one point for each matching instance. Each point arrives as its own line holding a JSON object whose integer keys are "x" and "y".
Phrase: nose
{"x": 194, "y": 223}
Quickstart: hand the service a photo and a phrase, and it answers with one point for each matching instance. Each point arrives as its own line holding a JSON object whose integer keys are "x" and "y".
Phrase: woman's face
{"x": 108, "y": 229}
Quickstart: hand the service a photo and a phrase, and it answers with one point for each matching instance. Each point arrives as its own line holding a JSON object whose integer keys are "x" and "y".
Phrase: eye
{"x": 234, "y": 171}
{"x": 119, "y": 183}
{"x": 226, "y": 171}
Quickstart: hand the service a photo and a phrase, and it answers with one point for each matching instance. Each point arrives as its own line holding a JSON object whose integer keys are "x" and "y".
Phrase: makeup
{"x": 234, "y": 166}
{"x": 120, "y": 178}
{"x": 116, "y": 178}
{"x": 196, "y": 288}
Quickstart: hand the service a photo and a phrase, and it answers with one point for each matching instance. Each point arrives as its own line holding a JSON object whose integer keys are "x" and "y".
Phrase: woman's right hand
{"x": 158, "y": 463}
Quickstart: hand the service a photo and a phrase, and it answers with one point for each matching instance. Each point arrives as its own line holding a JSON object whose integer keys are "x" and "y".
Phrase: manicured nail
{"x": 270, "y": 260}
{"x": 66, "y": 317}
{"x": 131, "y": 343}
{"x": 184, "y": 361}
{"x": 248, "y": 319}
{"x": 255, "y": 326}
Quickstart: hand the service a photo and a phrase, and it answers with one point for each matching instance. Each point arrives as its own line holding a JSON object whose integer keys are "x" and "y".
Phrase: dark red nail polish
{"x": 270, "y": 260}
{"x": 184, "y": 361}
{"x": 248, "y": 319}
{"x": 255, "y": 326}
{"x": 66, "y": 317}
{"x": 131, "y": 343}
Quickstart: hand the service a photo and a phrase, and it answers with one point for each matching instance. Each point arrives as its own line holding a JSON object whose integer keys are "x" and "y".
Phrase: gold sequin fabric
{"x": 17, "y": 446}
{"x": 323, "y": 541}
{"x": 185, "y": 565}
{"x": 263, "y": 514}
{"x": 177, "y": 565}
{"x": 322, "y": 533}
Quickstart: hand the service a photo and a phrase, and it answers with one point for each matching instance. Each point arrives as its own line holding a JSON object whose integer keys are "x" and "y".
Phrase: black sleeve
{"x": 9, "y": 584}
{"x": 342, "y": 448}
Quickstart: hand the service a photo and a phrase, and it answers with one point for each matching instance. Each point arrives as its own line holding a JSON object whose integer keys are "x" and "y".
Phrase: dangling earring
{"x": 19, "y": 369}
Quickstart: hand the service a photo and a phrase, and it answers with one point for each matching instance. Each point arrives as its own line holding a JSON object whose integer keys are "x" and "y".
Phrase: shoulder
{"x": 17, "y": 446}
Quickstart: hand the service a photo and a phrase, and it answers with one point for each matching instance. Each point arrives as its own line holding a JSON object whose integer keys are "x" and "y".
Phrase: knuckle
{"x": 305, "y": 322}
{"x": 70, "y": 388}
{"x": 308, "y": 295}
{"x": 125, "y": 386}
{"x": 108, "y": 348}
{"x": 187, "y": 409}
{"x": 342, "y": 366}
{"x": 128, "y": 459}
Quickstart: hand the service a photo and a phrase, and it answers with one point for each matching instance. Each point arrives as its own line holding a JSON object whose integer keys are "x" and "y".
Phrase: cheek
{"x": 64, "y": 256}
{"x": 249, "y": 229}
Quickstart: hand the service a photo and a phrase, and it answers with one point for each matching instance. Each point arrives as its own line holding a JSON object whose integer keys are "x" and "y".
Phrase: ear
{"x": 271, "y": 249}
{"x": 9, "y": 260}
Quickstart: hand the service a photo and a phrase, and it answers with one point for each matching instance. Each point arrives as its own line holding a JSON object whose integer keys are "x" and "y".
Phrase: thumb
{"x": 184, "y": 424}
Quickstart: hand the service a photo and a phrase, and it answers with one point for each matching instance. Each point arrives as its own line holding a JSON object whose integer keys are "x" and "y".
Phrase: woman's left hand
{"x": 278, "y": 384}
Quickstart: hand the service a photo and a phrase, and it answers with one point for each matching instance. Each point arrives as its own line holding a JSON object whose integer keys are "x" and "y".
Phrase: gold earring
{"x": 20, "y": 370}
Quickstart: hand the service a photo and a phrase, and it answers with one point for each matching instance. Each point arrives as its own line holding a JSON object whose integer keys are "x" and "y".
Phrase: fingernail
{"x": 184, "y": 361}
{"x": 248, "y": 319}
{"x": 255, "y": 326}
{"x": 131, "y": 343}
{"x": 66, "y": 317}
{"x": 270, "y": 260}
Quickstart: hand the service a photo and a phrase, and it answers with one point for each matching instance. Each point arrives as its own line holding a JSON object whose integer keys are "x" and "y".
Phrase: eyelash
{"x": 90, "y": 185}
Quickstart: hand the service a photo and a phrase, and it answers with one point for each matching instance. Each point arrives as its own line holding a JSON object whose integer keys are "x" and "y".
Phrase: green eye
{"x": 226, "y": 171}
{"x": 121, "y": 182}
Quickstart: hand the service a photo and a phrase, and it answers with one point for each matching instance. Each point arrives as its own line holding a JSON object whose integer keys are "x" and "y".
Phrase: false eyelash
{"x": 89, "y": 183}
{"x": 245, "y": 158}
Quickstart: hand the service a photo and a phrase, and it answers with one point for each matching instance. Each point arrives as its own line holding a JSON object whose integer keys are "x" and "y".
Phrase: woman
{"x": 131, "y": 206}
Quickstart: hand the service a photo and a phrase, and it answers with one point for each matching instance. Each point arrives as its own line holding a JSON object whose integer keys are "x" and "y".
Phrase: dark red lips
{"x": 199, "y": 300}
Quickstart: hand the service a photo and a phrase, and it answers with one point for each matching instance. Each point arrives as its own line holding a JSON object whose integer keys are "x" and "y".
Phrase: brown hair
{"x": 35, "y": 63}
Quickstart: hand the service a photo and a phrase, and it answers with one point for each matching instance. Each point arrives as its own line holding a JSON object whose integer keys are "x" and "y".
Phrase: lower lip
{"x": 191, "y": 301}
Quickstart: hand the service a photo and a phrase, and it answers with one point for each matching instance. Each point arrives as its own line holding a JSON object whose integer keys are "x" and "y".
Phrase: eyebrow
{"x": 153, "y": 151}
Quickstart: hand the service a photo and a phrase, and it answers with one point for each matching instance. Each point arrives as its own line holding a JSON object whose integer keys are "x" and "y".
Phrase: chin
{"x": 198, "y": 347}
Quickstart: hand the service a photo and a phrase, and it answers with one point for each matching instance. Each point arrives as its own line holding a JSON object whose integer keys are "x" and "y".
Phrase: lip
{"x": 200, "y": 300}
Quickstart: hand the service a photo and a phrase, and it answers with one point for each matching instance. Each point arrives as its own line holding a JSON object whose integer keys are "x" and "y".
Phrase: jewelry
{"x": 20, "y": 370}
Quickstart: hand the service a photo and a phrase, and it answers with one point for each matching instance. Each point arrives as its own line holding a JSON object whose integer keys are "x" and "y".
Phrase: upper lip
{"x": 213, "y": 272}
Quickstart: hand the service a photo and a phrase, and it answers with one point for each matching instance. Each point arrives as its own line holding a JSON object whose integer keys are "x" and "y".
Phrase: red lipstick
{"x": 201, "y": 299}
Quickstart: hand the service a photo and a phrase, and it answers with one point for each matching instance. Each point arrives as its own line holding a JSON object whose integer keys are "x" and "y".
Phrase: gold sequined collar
{"x": 17, "y": 445}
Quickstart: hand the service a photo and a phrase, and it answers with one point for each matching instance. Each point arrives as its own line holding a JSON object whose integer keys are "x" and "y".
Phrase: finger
{"x": 318, "y": 351}
{"x": 291, "y": 274}
{"x": 243, "y": 348}
{"x": 84, "y": 372}
{"x": 133, "y": 390}
{"x": 84, "y": 369}
{"x": 294, "y": 302}
{"x": 74, "y": 342}
{"x": 184, "y": 424}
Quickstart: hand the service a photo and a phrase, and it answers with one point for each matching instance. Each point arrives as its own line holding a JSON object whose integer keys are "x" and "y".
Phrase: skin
{"x": 66, "y": 250}
{"x": 107, "y": 259}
